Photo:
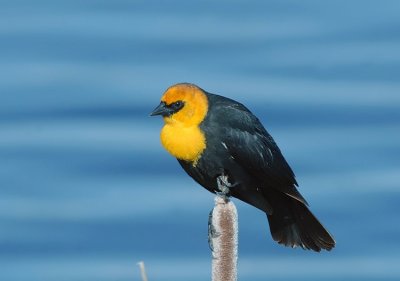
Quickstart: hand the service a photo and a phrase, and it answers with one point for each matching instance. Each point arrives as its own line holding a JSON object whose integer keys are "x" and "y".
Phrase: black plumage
{"x": 214, "y": 136}
{"x": 238, "y": 146}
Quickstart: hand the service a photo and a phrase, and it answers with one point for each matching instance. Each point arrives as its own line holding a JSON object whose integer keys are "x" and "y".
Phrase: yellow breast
{"x": 185, "y": 143}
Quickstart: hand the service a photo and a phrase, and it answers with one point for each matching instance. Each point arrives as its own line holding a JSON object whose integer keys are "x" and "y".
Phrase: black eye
{"x": 177, "y": 105}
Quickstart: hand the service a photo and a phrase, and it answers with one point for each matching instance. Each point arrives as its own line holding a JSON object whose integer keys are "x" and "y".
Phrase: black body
{"x": 240, "y": 147}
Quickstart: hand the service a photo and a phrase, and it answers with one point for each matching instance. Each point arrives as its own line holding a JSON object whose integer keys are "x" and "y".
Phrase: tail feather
{"x": 292, "y": 224}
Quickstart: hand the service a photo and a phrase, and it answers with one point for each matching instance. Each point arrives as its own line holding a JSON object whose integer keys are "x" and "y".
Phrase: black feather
{"x": 240, "y": 147}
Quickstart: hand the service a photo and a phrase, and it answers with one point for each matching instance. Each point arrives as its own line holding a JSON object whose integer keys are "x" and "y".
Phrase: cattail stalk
{"x": 224, "y": 239}
{"x": 142, "y": 271}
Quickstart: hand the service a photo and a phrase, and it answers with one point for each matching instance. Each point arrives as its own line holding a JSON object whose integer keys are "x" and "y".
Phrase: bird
{"x": 217, "y": 139}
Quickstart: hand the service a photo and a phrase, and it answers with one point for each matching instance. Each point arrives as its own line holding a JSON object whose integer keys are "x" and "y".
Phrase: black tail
{"x": 292, "y": 224}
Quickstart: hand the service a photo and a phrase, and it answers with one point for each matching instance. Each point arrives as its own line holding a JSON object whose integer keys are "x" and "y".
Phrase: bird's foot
{"x": 224, "y": 186}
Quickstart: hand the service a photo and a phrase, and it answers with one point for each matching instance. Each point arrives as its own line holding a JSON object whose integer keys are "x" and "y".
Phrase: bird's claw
{"x": 224, "y": 186}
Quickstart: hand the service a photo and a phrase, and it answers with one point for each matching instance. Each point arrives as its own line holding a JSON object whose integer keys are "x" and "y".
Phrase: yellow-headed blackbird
{"x": 214, "y": 136}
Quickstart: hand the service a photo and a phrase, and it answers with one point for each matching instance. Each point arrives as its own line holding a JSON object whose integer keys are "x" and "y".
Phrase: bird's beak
{"x": 161, "y": 109}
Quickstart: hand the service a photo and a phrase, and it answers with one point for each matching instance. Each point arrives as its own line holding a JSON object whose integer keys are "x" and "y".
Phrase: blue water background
{"x": 86, "y": 190}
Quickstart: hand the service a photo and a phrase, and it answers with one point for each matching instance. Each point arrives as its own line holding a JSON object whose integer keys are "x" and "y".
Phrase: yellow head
{"x": 183, "y": 103}
{"x": 183, "y": 107}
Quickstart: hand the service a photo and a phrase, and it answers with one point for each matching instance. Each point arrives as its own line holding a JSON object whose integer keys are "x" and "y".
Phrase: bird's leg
{"x": 223, "y": 186}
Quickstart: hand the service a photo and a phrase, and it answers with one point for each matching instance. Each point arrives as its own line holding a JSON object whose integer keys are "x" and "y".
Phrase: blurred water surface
{"x": 86, "y": 191}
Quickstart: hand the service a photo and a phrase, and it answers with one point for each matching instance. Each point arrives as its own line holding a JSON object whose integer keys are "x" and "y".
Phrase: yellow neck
{"x": 181, "y": 135}
{"x": 185, "y": 143}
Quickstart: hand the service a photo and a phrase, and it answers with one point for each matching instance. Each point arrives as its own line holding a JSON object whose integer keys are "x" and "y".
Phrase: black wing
{"x": 253, "y": 148}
